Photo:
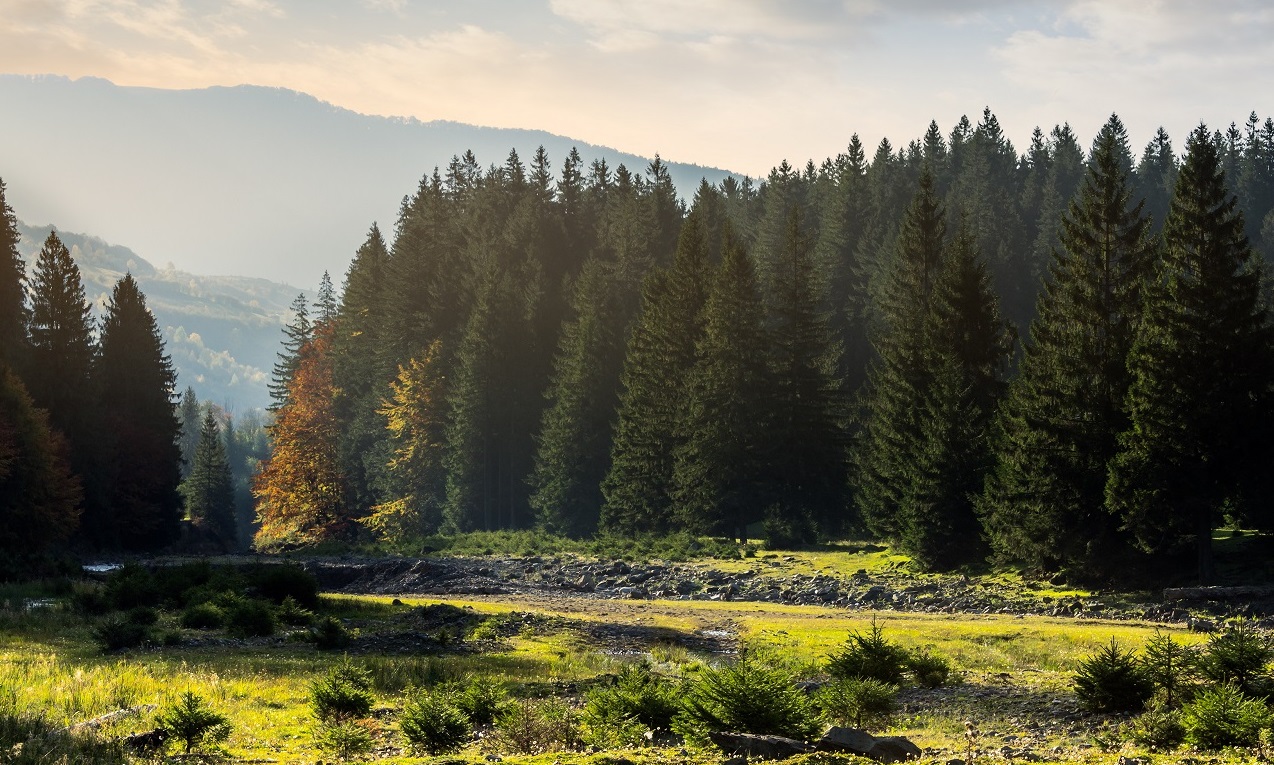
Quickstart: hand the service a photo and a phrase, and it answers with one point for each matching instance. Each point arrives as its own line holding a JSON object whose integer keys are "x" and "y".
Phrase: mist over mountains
{"x": 222, "y": 332}
{"x": 261, "y": 182}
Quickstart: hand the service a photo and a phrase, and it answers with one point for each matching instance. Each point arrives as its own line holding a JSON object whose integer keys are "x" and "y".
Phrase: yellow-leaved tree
{"x": 414, "y": 418}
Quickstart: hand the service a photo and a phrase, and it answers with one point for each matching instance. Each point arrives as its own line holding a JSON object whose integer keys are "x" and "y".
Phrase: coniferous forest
{"x": 1060, "y": 358}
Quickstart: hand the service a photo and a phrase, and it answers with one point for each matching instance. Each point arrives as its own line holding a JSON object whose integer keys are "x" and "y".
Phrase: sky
{"x": 737, "y": 84}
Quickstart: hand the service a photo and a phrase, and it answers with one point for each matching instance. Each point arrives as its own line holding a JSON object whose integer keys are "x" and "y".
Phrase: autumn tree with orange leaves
{"x": 298, "y": 489}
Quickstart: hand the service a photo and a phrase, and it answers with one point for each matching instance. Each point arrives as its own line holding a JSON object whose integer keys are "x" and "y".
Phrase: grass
{"x": 49, "y": 664}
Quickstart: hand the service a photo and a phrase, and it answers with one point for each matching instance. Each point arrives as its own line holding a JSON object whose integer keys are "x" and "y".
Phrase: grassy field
{"x": 1012, "y": 682}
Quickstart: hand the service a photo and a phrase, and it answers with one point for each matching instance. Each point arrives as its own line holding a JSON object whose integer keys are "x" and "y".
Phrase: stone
{"x": 841, "y": 739}
{"x": 894, "y": 749}
{"x": 765, "y": 747}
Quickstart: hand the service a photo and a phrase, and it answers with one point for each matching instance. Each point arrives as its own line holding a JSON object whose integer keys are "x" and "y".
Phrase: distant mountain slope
{"x": 222, "y": 331}
{"x": 248, "y": 180}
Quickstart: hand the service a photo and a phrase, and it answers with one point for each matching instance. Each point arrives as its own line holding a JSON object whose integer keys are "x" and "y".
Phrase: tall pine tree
{"x": 721, "y": 479}
{"x": 661, "y": 354}
{"x": 135, "y": 383}
{"x": 1198, "y": 441}
{"x": 13, "y": 305}
{"x": 209, "y": 489}
{"x": 1057, "y": 429}
{"x": 296, "y": 333}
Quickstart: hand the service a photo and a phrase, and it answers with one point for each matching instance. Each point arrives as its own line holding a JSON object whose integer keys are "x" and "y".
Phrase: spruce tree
{"x": 1057, "y": 428}
{"x": 573, "y": 454}
{"x": 13, "y": 305}
{"x": 296, "y": 333}
{"x": 809, "y": 439}
{"x": 722, "y": 479}
{"x": 661, "y": 354}
{"x": 1156, "y": 177}
{"x": 191, "y": 423}
{"x": 209, "y": 489}
{"x": 1197, "y": 443}
{"x": 898, "y": 382}
{"x": 362, "y": 373}
{"x": 58, "y": 373}
{"x": 135, "y": 381}
{"x": 325, "y": 302}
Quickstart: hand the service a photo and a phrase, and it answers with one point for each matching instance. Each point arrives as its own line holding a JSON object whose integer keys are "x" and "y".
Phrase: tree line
{"x": 1059, "y": 358}
{"x": 91, "y": 443}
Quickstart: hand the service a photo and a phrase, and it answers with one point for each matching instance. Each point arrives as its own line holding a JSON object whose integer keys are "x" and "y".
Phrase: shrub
{"x": 871, "y": 657}
{"x": 345, "y": 739}
{"x": 857, "y": 702}
{"x": 1112, "y": 680}
{"x": 1223, "y": 716}
{"x": 433, "y": 724}
{"x": 747, "y": 696}
{"x": 293, "y": 614}
{"x": 1158, "y": 729}
{"x": 132, "y": 585}
{"x": 191, "y": 722}
{"x": 329, "y": 634}
{"x": 1240, "y": 654}
{"x": 203, "y": 616}
{"x": 1170, "y": 666}
{"x": 929, "y": 669}
{"x": 482, "y": 699}
{"x": 143, "y": 615}
{"x": 639, "y": 700}
{"x": 250, "y": 618}
{"x": 91, "y": 599}
{"x": 116, "y": 633}
{"x": 533, "y": 726}
{"x": 277, "y": 582}
{"x": 342, "y": 694}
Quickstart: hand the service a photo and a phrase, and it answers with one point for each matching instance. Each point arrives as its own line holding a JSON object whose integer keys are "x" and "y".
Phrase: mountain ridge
{"x": 242, "y": 179}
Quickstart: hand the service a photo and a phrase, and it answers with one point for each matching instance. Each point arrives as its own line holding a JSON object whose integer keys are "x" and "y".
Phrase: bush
{"x": 1170, "y": 666}
{"x": 1158, "y": 729}
{"x": 534, "y": 726}
{"x": 618, "y": 715}
{"x": 329, "y": 634}
{"x": 482, "y": 699}
{"x": 929, "y": 669}
{"x": 117, "y": 633}
{"x": 1112, "y": 680}
{"x": 1223, "y": 716}
{"x": 191, "y": 722}
{"x": 276, "y": 582}
{"x": 203, "y": 616}
{"x": 250, "y": 618}
{"x": 131, "y": 586}
{"x": 143, "y": 615}
{"x": 345, "y": 739}
{"x": 433, "y": 724}
{"x": 1240, "y": 655}
{"x": 870, "y": 657}
{"x": 91, "y": 599}
{"x": 748, "y": 696}
{"x": 857, "y": 702}
{"x": 342, "y": 694}
{"x": 293, "y": 613}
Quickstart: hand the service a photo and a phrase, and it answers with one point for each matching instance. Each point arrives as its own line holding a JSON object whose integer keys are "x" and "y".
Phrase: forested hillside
{"x": 221, "y": 331}
{"x": 850, "y": 345}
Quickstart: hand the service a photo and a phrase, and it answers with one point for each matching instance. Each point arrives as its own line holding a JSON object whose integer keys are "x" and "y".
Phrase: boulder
{"x": 764, "y": 747}
{"x": 894, "y": 749}
{"x": 851, "y": 740}
{"x": 857, "y": 741}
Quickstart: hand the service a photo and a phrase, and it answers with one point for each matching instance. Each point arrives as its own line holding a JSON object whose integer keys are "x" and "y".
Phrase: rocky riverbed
{"x": 768, "y": 580}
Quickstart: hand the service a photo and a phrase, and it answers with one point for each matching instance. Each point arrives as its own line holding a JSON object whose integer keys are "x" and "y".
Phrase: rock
{"x": 894, "y": 749}
{"x": 149, "y": 742}
{"x": 765, "y": 747}
{"x": 840, "y": 739}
